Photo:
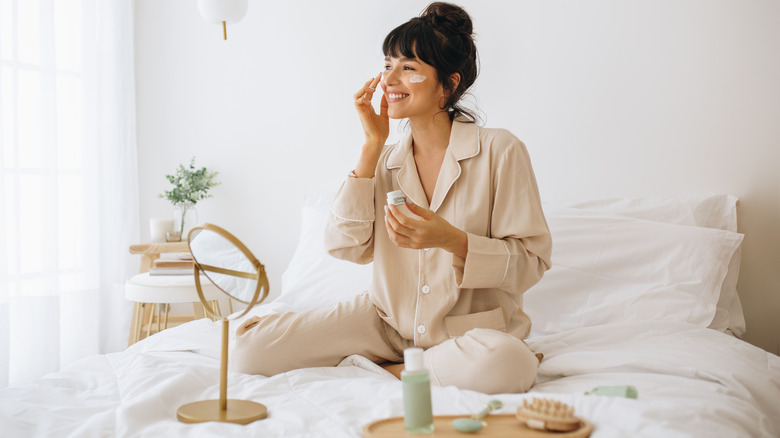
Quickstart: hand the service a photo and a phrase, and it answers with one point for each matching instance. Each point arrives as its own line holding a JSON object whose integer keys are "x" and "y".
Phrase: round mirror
{"x": 228, "y": 264}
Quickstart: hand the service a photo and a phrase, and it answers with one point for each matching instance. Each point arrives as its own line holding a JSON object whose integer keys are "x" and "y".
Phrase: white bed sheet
{"x": 691, "y": 381}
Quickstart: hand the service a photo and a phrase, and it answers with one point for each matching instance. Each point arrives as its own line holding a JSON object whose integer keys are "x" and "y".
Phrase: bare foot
{"x": 394, "y": 368}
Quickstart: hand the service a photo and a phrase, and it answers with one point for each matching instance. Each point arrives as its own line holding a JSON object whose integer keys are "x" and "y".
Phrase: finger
{"x": 390, "y": 232}
{"x": 390, "y": 218}
{"x": 411, "y": 224}
{"x": 395, "y": 218}
{"x": 371, "y": 87}
{"x": 398, "y": 217}
{"x": 375, "y": 82}
{"x": 365, "y": 85}
{"x": 363, "y": 89}
{"x": 383, "y": 106}
{"x": 396, "y": 238}
{"x": 419, "y": 211}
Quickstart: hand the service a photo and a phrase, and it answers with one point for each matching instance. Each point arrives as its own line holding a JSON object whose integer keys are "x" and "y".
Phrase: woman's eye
{"x": 387, "y": 67}
{"x": 408, "y": 67}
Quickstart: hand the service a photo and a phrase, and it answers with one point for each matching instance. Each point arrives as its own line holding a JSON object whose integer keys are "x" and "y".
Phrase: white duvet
{"x": 691, "y": 382}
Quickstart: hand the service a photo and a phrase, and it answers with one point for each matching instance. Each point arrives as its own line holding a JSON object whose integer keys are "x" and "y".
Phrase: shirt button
{"x": 421, "y": 329}
{"x": 426, "y": 289}
{"x": 426, "y": 249}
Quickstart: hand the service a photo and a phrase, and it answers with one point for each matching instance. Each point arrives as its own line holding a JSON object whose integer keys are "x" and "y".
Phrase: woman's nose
{"x": 389, "y": 77}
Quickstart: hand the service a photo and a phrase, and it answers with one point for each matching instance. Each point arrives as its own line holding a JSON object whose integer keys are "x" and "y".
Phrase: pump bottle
{"x": 416, "y": 384}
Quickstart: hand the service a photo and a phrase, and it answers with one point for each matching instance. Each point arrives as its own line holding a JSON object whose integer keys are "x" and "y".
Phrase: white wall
{"x": 613, "y": 98}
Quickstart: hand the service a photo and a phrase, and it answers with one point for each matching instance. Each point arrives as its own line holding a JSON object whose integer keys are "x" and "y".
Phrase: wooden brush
{"x": 544, "y": 414}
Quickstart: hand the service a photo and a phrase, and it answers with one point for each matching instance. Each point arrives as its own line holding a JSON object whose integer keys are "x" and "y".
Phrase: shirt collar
{"x": 464, "y": 143}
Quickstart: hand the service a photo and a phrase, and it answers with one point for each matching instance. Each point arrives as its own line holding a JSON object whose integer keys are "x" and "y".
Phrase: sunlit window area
{"x": 50, "y": 186}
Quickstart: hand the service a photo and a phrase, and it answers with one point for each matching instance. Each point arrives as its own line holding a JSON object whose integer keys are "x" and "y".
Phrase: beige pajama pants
{"x": 483, "y": 360}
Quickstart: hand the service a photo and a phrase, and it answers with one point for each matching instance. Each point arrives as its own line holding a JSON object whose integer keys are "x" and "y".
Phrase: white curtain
{"x": 68, "y": 181}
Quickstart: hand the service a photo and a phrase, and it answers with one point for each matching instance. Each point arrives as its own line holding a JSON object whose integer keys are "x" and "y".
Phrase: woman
{"x": 451, "y": 280}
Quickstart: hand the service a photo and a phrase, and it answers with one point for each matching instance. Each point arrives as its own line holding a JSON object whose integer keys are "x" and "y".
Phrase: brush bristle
{"x": 549, "y": 408}
{"x": 545, "y": 414}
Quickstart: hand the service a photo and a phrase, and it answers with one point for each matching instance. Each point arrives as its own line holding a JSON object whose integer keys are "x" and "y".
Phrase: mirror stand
{"x": 232, "y": 268}
{"x": 228, "y": 411}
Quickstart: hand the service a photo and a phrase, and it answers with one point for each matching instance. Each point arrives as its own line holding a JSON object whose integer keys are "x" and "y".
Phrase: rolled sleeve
{"x": 518, "y": 252}
{"x": 485, "y": 265}
{"x": 349, "y": 232}
{"x": 355, "y": 200}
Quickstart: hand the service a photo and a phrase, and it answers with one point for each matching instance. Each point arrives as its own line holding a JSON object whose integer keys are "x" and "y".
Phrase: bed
{"x": 642, "y": 293}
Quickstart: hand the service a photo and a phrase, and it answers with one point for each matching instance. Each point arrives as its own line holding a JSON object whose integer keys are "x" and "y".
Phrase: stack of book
{"x": 174, "y": 263}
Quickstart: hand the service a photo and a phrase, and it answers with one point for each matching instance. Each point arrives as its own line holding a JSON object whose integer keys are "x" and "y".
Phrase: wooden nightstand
{"x": 151, "y": 251}
{"x": 163, "y": 290}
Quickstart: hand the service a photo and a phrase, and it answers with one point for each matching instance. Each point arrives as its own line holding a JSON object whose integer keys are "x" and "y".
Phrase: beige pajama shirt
{"x": 467, "y": 313}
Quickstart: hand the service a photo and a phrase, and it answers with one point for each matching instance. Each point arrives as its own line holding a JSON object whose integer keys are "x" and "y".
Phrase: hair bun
{"x": 449, "y": 16}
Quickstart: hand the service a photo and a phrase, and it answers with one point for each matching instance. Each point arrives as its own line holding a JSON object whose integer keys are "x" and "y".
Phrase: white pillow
{"x": 609, "y": 268}
{"x": 713, "y": 211}
{"x": 314, "y": 279}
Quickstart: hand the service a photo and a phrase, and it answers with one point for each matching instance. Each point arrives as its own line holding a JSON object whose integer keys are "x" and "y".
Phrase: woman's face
{"x": 411, "y": 87}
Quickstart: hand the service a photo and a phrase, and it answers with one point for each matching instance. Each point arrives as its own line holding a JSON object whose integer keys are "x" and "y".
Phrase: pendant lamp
{"x": 223, "y": 11}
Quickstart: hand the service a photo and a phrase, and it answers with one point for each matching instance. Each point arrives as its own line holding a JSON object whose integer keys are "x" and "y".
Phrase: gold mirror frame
{"x": 224, "y": 410}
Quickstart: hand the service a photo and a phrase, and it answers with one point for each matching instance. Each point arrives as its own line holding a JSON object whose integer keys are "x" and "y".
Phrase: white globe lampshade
{"x": 223, "y": 11}
{"x": 217, "y": 11}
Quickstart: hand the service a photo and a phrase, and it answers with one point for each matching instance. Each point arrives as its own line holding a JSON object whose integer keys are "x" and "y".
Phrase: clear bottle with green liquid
{"x": 416, "y": 385}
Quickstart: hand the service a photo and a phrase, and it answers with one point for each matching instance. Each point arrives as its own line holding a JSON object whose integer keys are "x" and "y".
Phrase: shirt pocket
{"x": 458, "y": 325}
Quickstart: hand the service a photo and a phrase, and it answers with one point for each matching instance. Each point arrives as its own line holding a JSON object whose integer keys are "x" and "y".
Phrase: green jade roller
{"x": 475, "y": 423}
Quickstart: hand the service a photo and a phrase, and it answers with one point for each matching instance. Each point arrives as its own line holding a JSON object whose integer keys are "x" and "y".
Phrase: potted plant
{"x": 190, "y": 185}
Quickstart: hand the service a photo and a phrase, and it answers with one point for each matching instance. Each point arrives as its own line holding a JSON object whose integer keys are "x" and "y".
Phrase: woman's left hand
{"x": 430, "y": 231}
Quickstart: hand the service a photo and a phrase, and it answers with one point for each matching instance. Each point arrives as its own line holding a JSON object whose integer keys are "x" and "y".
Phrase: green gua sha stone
{"x": 467, "y": 425}
{"x": 474, "y": 423}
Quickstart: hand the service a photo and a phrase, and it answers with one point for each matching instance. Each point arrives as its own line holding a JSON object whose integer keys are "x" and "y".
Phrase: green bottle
{"x": 416, "y": 384}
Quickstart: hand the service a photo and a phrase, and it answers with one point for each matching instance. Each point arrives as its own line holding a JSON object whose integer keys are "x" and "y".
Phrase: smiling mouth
{"x": 396, "y": 96}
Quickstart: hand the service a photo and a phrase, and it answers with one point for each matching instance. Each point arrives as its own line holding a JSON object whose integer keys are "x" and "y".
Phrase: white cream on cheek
{"x": 416, "y": 79}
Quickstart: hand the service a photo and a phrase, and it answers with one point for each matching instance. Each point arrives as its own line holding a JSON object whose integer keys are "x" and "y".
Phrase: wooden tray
{"x": 498, "y": 425}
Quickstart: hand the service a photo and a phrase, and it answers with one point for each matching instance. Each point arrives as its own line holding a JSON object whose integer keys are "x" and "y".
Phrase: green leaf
{"x": 190, "y": 185}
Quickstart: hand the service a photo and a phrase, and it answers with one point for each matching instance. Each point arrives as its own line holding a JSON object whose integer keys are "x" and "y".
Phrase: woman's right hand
{"x": 376, "y": 127}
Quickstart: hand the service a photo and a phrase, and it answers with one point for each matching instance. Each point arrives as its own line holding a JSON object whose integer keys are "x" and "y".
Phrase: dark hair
{"x": 441, "y": 37}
